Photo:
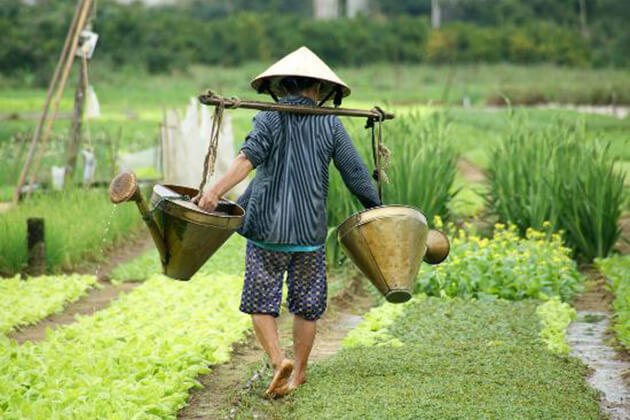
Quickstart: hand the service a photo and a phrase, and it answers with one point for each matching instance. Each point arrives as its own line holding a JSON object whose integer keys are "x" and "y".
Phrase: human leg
{"x": 303, "y": 338}
{"x": 307, "y": 295}
{"x": 262, "y": 296}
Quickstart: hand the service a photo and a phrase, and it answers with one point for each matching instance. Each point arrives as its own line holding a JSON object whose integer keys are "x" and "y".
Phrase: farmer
{"x": 285, "y": 220}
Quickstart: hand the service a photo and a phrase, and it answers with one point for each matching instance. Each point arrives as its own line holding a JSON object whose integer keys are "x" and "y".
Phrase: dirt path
{"x": 218, "y": 398}
{"x": 589, "y": 337}
{"x": 97, "y": 298}
{"x": 470, "y": 171}
{"x": 623, "y": 244}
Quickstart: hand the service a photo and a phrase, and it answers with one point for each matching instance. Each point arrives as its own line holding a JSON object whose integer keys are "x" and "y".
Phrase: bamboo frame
{"x": 87, "y": 6}
{"x": 49, "y": 94}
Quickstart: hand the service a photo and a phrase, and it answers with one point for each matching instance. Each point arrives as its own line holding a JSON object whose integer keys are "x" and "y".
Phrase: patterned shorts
{"x": 306, "y": 282}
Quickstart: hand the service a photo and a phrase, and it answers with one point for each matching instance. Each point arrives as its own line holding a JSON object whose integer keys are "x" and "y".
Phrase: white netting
{"x": 185, "y": 143}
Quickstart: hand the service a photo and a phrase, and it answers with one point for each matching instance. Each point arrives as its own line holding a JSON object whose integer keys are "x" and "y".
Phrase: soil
{"x": 217, "y": 397}
{"x": 623, "y": 244}
{"x": 98, "y": 297}
{"x": 470, "y": 171}
{"x": 590, "y": 339}
{"x": 597, "y": 297}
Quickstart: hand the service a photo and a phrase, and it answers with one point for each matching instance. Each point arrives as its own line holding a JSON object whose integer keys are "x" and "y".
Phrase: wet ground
{"x": 588, "y": 338}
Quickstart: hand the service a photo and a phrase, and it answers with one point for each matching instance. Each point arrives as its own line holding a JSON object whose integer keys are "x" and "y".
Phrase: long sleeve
{"x": 258, "y": 142}
{"x": 353, "y": 171}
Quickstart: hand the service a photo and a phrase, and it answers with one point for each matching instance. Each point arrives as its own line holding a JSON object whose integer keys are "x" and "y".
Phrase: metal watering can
{"x": 388, "y": 244}
{"x": 184, "y": 235}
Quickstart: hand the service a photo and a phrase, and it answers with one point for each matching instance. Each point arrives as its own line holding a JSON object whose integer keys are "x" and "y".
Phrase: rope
{"x": 211, "y": 154}
{"x": 380, "y": 152}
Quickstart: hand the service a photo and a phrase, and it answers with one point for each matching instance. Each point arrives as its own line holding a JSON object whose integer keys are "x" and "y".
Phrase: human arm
{"x": 240, "y": 168}
{"x": 254, "y": 152}
{"x": 352, "y": 169}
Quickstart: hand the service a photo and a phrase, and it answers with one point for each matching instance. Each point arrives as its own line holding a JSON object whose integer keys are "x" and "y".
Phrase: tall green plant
{"x": 556, "y": 176}
{"x": 421, "y": 170}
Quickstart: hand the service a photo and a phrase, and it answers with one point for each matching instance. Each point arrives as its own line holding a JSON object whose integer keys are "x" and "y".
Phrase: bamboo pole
{"x": 72, "y": 147}
{"x": 214, "y": 99}
{"x": 49, "y": 93}
{"x": 87, "y": 5}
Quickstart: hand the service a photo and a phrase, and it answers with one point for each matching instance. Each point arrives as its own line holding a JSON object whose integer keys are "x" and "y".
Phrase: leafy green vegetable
{"x": 24, "y": 302}
{"x": 617, "y": 269}
{"x": 555, "y": 317}
{"x": 135, "y": 359}
{"x": 373, "y": 330}
{"x": 504, "y": 266}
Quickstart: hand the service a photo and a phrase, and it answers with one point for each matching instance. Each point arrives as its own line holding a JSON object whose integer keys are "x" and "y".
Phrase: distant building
{"x": 326, "y": 9}
{"x": 149, "y": 2}
{"x": 331, "y": 9}
{"x": 146, "y": 2}
{"x": 355, "y": 7}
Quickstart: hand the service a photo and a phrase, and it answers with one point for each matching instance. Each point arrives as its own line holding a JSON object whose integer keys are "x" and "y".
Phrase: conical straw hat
{"x": 301, "y": 62}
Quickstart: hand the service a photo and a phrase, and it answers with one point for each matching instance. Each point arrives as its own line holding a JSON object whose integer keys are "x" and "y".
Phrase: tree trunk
{"x": 436, "y": 15}
{"x": 583, "y": 23}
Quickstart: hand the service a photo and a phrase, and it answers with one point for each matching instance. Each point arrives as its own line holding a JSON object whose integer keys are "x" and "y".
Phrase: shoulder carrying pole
{"x": 211, "y": 98}
{"x": 375, "y": 115}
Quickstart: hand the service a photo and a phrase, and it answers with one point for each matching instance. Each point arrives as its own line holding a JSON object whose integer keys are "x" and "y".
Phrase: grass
{"x": 617, "y": 269}
{"x": 24, "y": 302}
{"x": 459, "y": 359}
{"x": 79, "y": 224}
{"x": 132, "y": 102}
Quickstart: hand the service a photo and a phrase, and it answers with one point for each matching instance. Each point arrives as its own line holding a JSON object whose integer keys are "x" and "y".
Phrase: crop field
{"x": 534, "y": 201}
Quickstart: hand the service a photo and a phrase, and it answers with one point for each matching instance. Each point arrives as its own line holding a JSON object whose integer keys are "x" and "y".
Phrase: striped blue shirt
{"x": 286, "y": 201}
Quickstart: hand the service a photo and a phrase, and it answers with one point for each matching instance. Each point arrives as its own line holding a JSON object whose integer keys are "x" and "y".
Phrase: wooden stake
{"x": 51, "y": 88}
{"x": 75, "y": 136}
{"x": 87, "y": 5}
{"x": 36, "y": 246}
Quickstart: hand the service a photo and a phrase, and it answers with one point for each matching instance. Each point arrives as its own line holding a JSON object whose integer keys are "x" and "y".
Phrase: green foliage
{"x": 617, "y": 270}
{"x": 79, "y": 224}
{"x": 556, "y": 175}
{"x": 421, "y": 172}
{"x": 162, "y": 38}
{"x": 373, "y": 330}
{"x": 555, "y": 317}
{"x": 24, "y": 302}
{"x": 460, "y": 359}
{"x": 504, "y": 266}
{"x": 136, "y": 358}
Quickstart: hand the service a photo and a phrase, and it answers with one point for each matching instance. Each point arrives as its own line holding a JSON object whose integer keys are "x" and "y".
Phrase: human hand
{"x": 209, "y": 200}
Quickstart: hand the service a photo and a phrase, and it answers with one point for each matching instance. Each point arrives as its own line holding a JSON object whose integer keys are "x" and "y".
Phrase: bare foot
{"x": 280, "y": 378}
{"x": 291, "y": 386}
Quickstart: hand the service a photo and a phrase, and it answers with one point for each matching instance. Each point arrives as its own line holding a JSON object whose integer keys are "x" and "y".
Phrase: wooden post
{"x": 75, "y": 136}
{"x": 36, "y": 247}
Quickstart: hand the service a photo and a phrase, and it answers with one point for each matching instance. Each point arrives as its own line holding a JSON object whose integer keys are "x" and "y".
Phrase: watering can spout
{"x": 125, "y": 188}
{"x": 184, "y": 234}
